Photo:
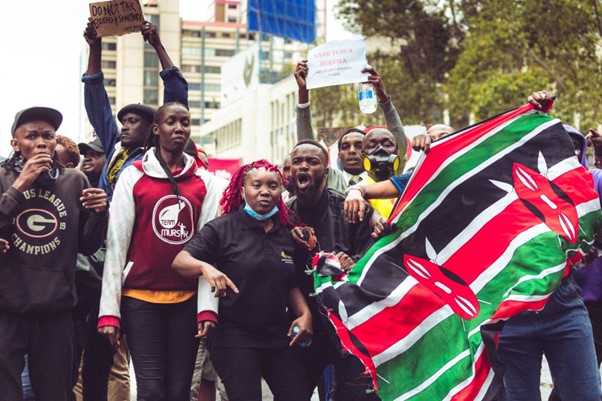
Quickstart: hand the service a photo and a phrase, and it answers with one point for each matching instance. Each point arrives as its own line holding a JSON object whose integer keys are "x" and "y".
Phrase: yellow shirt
{"x": 383, "y": 206}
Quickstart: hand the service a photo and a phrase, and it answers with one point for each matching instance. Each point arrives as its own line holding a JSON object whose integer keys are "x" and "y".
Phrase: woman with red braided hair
{"x": 247, "y": 257}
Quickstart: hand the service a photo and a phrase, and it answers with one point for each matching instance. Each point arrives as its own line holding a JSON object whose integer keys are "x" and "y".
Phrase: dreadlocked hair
{"x": 232, "y": 199}
{"x": 152, "y": 142}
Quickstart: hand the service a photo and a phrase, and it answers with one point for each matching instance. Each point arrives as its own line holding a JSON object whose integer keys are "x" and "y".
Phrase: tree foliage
{"x": 475, "y": 58}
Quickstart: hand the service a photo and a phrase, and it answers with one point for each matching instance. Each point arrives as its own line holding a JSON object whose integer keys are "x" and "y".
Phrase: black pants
{"x": 241, "y": 370}
{"x": 163, "y": 347}
{"x": 97, "y": 363}
{"x": 48, "y": 342}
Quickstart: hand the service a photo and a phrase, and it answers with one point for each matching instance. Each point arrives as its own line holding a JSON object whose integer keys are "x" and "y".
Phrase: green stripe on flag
{"x": 470, "y": 160}
{"x": 424, "y": 359}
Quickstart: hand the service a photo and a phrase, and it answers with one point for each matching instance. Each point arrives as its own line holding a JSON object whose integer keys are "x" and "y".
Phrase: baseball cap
{"x": 144, "y": 111}
{"x": 94, "y": 145}
{"x": 52, "y": 116}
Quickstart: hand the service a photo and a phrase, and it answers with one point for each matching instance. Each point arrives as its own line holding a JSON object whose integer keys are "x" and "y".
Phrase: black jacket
{"x": 46, "y": 228}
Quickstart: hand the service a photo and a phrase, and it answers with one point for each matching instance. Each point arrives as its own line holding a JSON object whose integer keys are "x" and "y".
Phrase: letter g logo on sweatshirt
{"x": 172, "y": 220}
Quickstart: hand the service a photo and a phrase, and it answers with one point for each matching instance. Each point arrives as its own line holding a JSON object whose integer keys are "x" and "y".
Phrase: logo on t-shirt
{"x": 40, "y": 224}
{"x": 173, "y": 220}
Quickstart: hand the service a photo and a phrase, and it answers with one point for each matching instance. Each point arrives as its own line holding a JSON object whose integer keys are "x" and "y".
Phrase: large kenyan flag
{"x": 489, "y": 224}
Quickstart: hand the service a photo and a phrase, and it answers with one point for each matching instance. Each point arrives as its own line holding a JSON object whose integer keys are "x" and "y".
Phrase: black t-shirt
{"x": 261, "y": 265}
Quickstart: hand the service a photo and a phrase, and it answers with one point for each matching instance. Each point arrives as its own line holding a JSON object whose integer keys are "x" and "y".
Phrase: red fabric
{"x": 109, "y": 321}
{"x": 206, "y": 315}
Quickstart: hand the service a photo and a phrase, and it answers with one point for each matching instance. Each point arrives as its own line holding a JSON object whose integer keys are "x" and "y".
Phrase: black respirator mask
{"x": 381, "y": 165}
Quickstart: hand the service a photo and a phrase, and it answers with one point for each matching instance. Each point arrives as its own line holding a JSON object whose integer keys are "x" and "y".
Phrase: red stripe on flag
{"x": 375, "y": 333}
{"x": 481, "y": 250}
{"x": 347, "y": 344}
{"x": 482, "y": 368}
{"x": 509, "y": 308}
{"x": 507, "y": 225}
{"x": 454, "y": 144}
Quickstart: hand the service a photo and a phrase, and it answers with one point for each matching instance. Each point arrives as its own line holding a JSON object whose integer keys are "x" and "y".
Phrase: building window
{"x": 210, "y": 69}
{"x": 109, "y": 46}
{"x": 224, "y": 53}
{"x": 195, "y": 121}
{"x": 153, "y": 19}
{"x": 210, "y": 34}
{"x": 108, "y": 64}
{"x": 194, "y": 87}
{"x": 232, "y": 19}
{"x": 212, "y": 105}
{"x": 191, "y": 68}
{"x": 213, "y": 87}
{"x": 151, "y": 97}
{"x": 151, "y": 78}
{"x": 109, "y": 82}
{"x": 194, "y": 104}
{"x": 191, "y": 51}
{"x": 151, "y": 60}
{"x": 232, "y": 6}
{"x": 226, "y": 35}
{"x": 112, "y": 101}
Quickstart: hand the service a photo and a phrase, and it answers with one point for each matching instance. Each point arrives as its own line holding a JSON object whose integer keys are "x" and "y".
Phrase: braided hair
{"x": 232, "y": 199}
{"x": 153, "y": 142}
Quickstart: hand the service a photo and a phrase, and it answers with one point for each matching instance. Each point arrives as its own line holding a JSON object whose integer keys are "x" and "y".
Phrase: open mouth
{"x": 303, "y": 180}
{"x": 354, "y": 160}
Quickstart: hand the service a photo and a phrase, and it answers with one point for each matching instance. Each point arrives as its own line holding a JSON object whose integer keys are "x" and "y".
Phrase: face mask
{"x": 260, "y": 217}
{"x": 381, "y": 164}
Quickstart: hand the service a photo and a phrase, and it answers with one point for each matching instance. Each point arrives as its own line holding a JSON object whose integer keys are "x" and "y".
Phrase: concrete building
{"x": 200, "y": 49}
{"x": 131, "y": 67}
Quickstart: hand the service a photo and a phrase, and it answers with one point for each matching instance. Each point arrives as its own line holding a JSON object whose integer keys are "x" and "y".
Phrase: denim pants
{"x": 563, "y": 333}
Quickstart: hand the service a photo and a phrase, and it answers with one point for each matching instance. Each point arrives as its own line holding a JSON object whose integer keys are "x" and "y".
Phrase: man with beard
{"x": 351, "y": 143}
{"x": 321, "y": 209}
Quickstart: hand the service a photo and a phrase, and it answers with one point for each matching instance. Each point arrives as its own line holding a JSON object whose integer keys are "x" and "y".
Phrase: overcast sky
{"x": 42, "y": 43}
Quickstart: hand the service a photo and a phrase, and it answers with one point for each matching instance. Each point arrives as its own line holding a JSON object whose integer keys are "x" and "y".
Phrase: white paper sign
{"x": 336, "y": 63}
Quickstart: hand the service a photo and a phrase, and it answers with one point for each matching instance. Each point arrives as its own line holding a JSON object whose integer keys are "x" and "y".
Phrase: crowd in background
{"x": 139, "y": 252}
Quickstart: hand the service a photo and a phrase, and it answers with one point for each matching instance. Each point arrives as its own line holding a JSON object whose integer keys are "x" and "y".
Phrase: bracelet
{"x": 356, "y": 188}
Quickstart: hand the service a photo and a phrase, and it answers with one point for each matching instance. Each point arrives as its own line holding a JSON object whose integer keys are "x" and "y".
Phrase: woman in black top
{"x": 255, "y": 283}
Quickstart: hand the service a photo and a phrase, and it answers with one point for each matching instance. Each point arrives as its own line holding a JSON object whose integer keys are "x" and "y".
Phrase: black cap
{"x": 146, "y": 112}
{"x": 94, "y": 145}
{"x": 52, "y": 116}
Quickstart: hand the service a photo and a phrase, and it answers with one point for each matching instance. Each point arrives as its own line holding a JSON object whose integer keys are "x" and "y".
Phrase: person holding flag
{"x": 561, "y": 330}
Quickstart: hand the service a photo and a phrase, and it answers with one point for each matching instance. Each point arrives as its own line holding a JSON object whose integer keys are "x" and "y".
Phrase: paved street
{"x": 546, "y": 386}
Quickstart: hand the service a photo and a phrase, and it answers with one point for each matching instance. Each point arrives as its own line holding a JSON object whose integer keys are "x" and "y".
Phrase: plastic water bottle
{"x": 305, "y": 343}
{"x": 367, "y": 99}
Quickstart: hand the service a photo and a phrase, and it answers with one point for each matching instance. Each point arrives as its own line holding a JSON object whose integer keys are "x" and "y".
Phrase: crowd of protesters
{"x": 203, "y": 283}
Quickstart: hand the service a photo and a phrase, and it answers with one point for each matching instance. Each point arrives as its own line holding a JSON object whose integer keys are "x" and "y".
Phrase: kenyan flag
{"x": 489, "y": 224}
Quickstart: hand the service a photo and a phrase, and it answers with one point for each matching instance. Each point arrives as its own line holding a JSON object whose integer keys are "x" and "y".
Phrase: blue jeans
{"x": 563, "y": 333}
{"x": 27, "y": 390}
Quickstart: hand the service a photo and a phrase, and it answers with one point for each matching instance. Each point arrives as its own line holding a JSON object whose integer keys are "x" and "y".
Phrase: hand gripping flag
{"x": 489, "y": 224}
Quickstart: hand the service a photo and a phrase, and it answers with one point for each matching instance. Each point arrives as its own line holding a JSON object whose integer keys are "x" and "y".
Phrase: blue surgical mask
{"x": 260, "y": 217}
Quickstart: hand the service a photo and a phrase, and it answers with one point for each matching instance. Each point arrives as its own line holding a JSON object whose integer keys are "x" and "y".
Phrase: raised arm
{"x": 175, "y": 86}
{"x": 391, "y": 116}
{"x": 304, "y": 128}
{"x": 96, "y": 101}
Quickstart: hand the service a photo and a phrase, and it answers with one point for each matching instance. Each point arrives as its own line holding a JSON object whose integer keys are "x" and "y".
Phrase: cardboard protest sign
{"x": 336, "y": 63}
{"x": 116, "y": 17}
